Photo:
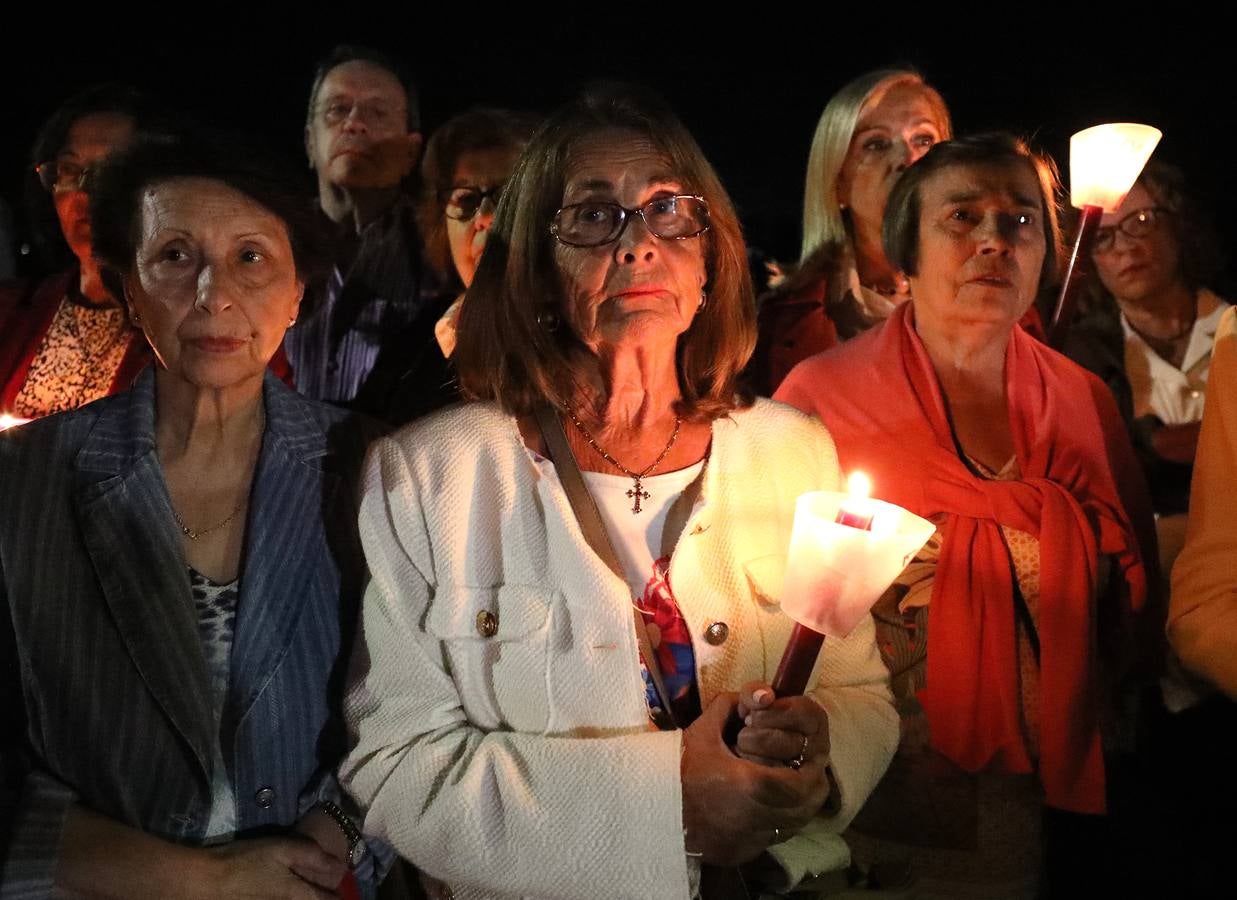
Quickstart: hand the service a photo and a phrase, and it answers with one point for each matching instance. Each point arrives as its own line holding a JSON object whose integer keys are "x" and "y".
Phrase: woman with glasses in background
{"x": 64, "y": 339}
{"x": 467, "y": 162}
{"x": 1149, "y": 330}
{"x": 576, "y": 575}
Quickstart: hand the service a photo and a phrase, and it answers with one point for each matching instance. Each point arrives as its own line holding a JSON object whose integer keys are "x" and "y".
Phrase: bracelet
{"x": 352, "y": 834}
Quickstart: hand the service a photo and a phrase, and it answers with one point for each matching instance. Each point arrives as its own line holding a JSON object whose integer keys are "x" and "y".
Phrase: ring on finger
{"x": 799, "y": 760}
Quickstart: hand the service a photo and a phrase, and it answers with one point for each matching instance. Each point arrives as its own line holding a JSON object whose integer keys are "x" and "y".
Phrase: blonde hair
{"x": 822, "y": 214}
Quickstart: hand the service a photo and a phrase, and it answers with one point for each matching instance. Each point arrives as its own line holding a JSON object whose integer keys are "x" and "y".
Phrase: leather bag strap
{"x": 594, "y": 529}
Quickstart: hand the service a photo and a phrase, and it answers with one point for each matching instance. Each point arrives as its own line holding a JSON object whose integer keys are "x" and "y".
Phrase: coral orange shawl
{"x": 880, "y": 399}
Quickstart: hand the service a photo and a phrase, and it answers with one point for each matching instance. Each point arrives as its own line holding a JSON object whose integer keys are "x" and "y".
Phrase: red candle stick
{"x": 1063, "y": 314}
{"x": 797, "y": 661}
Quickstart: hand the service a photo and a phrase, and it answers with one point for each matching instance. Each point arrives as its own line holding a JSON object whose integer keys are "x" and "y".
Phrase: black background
{"x": 750, "y": 82}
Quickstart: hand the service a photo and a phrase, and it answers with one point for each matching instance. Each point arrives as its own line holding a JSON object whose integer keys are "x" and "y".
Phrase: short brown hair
{"x": 900, "y": 230}
{"x": 506, "y": 356}
{"x": 1201, "y": 257}
{"x": 472, "y": 130}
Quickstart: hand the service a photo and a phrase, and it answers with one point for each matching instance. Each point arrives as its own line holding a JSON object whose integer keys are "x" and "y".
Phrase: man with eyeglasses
{"x": 363, "y": 139}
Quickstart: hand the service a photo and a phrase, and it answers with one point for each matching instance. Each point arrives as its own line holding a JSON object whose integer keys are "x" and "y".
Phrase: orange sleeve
{"x": 1202, "y": 617}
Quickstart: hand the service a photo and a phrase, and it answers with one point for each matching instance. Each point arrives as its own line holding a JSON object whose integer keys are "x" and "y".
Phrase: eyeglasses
{"x": 374, "y": 113}
{"x": 63, "y": 175}
{"x": 594, "y": 223}
{"x": 1139, "y": 223}
{"x": 462, "y": 203}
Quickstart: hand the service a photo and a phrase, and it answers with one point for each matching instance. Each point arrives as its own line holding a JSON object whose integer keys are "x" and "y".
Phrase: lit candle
{"x": 857, "y": 509}
{"x": 9, "y": 421}
{"x": 1106, "y": 160}
{"x": 1104, "y": 163}
{"x": 845, "y": 551}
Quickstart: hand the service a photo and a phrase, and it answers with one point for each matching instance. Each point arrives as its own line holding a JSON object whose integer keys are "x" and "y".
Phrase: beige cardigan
{"x": 522, "y": 764}
{"x": 1202, "y": 613}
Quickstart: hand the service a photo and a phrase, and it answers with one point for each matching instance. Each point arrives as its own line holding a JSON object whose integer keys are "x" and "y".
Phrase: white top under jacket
{"x": 1174, "y": 396}
{"x": 522, "y": 763}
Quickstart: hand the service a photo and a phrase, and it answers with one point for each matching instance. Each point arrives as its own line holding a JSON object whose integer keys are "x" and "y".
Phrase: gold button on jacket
{"x": 487, "y": 624}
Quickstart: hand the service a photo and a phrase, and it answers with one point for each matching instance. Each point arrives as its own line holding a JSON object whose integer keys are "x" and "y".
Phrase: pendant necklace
{"x": 637, "y": 493}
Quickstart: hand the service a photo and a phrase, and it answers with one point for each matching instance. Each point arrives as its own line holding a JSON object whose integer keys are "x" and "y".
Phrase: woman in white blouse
{"x": 1151, "y": 332}
{"x": 510, "y": 738}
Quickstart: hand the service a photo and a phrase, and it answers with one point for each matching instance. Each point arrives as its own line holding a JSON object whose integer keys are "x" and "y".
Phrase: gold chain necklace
{"x": 194, "y": 535}
{"x": 244, "y": 501}
{"x": 637, "y": 492}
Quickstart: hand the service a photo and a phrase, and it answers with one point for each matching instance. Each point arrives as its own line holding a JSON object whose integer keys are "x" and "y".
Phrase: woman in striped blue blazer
{"x": 179, "y": 569}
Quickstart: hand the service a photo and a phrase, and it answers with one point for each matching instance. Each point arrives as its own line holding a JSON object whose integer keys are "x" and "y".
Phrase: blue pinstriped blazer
{"x": 104, "y": 664}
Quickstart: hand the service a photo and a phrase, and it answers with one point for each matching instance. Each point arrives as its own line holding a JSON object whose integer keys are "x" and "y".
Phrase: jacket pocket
{"x": 494, "y": 641}
{"x": 765, "y": 576}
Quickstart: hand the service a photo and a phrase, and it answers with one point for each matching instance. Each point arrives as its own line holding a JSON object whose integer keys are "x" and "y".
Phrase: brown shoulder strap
{"x": 594, "y": 529}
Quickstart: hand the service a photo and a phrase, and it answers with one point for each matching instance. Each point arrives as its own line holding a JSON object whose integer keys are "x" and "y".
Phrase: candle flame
{"x": 8, "y": 421}
{"x": 859, "y": 486}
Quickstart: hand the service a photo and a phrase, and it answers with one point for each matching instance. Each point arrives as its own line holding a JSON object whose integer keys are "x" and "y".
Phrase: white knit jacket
{"x": 522, "y": 764}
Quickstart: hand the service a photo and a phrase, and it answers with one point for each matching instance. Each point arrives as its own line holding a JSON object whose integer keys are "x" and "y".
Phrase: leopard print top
{"x": 77, "y": 361}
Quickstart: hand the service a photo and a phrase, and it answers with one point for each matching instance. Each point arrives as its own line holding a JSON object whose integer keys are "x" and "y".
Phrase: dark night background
{"x": 750, "y": 84}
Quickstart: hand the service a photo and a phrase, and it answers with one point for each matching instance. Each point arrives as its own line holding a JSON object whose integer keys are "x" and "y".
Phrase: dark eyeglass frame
{"x": 444, "y": 197}
{"x": 625, "y": 218}
{"x": 49, "y": 176}
{"x": 1106, "y": 236}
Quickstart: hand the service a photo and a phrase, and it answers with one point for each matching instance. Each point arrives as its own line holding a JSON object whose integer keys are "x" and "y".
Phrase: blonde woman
{"x": 870, "y": 131}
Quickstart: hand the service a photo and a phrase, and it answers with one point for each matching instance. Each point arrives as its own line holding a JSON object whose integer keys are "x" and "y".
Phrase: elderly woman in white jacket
{"x": 511, "y": 736}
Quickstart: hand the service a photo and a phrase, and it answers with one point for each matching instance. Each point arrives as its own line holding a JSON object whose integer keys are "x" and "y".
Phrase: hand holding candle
{"x": 836, "y": 569}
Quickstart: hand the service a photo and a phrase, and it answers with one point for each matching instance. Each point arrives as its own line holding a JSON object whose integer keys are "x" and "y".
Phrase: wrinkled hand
{"x": 280, "y": 868}
{"x": 324, "y": 831}
{"x": 777, "y": 731}
{"x": 734, "y": 808}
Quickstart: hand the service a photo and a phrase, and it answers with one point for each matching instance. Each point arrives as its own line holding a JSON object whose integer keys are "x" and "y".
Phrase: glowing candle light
{"x": 1105, "y": 161}
{"x": 857, "y": 510}
{"x": 845, "y": 551}
{"x": 10, "y": 421}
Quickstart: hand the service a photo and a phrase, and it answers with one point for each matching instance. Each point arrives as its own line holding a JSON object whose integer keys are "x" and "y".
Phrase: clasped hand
{"x": 736, "y": 802}
{"x": 307, "y": 864}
